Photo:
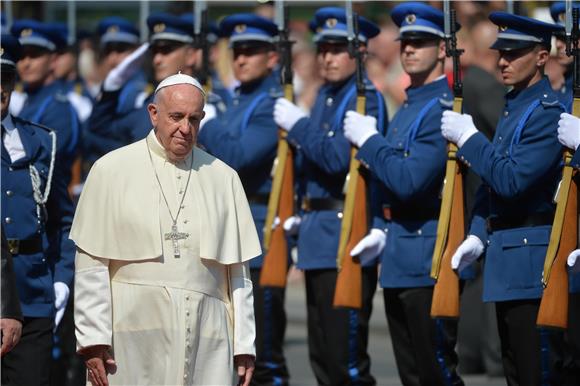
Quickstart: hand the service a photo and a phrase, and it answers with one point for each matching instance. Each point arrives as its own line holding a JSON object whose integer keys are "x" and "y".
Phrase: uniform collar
{"x": 267, "y": 83}
{"x": 438, "y": 87}
{"x": 529, "y": 94}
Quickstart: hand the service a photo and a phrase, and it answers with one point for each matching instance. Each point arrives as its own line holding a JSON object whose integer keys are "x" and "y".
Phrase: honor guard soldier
{"x": 171, "y": 48}
{"x": 36, "y": 216}
{"x": 118, "y": 38}
{"x": 337, "y": 338}
{"x": 44, "y": 101}
{"x": 513, "y": 211}
{"x": 410, "y": 162}
{"x": 245, "y": 137}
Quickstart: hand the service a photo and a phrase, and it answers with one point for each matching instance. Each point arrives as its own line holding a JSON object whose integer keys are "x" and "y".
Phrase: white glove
{"x": 358, "y": 128}
{"x": 210, "y": 113}
{"x": 119, "y": 75}
{"x": 61, "y": 292}
{"x": 292, "y": 225}
{"x": 457, "y": 128}
{"x": 286, "y": 113}
{"x": 370, "y": 246}
{"x": 573, "y": 261}
{"x": 569, "y": 131}
{"x": 469, "y": 250}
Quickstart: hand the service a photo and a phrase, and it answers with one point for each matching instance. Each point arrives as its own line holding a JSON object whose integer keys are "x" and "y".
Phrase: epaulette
{"x": 60, "y": 97}
{"x": 446, "y": 103}
{"x": 39, "y": 125}
{"x": 550, "y": 100}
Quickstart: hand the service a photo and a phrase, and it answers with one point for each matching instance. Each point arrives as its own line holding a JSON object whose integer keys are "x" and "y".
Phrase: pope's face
{"x": 175, "y": 115}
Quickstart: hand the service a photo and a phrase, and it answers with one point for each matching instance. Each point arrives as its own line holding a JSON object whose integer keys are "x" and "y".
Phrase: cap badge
{"x": 331, "y": 23}
{"x": 113, "y": 29}
{"x": 503, "y": 28}
{"x": 160, "y": 27}
{"x": 241, "y": 28}
{"x": 562, "y": 17}
{"x": 411, "y": 18}
{"x": 26, "y": 32}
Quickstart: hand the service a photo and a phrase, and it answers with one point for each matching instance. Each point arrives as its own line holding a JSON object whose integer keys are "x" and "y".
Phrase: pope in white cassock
{"x": 164, "y": 233}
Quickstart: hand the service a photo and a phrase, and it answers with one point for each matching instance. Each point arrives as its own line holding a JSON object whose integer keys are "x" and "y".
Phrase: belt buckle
{"x": 14, "y": 246}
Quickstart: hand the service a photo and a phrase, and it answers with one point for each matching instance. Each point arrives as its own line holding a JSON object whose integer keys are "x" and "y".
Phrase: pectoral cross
{"x": 175, "y": 236}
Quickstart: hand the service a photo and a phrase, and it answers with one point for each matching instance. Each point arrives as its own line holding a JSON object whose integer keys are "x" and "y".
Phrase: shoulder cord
{"x": 39, "y": 197}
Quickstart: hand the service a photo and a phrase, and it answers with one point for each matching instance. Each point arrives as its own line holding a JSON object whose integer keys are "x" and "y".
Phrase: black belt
{"x": 25, "y": 247}
{"x": 410, "y": 214}
{"x": 531, "y": 220}
{"x": 260, "y": 199}
{"x": 315, "y": 204}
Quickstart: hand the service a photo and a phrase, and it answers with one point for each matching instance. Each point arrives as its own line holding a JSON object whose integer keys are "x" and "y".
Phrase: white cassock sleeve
{"x": 243, "y": 301}
{"x": 92, "y": 303}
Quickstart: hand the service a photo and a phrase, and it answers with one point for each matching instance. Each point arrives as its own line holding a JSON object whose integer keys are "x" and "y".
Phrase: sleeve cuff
{"x": 243, "y": 302}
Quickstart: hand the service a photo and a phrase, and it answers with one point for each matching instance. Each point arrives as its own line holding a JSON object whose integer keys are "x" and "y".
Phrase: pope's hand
{"x": 61, "y": 293}
{"x": 574, "y": 261}
{"x": 286, "y": 113}
{"x": 370, "y": 246}
{"x": 358, "y": 128}
{"x": 292, "y": 225}
{"x": 210, "y": 113}
{"x": 469, "y": 250}
{"x": 569, "y": 131}
{"x": 99, "y": 363}
{"x": 119, "y": 75}
{"x": 457, "y": 128}
{"x": 244, "y": 365}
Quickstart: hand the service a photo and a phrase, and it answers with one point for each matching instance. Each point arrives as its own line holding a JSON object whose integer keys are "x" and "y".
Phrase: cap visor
{"x": 510, "y": 45}
{"x": 417, "y": 35}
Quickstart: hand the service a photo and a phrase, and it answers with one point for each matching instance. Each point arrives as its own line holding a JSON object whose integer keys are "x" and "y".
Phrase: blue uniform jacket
{"x": 36, "y": 272}
{"x": 520, "y": 170}
{"x": 246, "y": 138}
{"x": 409, "y": 164}
{"x": 323, "y": 160}
{"x": 109, "y": 129}
{"x": 50, "y": 107}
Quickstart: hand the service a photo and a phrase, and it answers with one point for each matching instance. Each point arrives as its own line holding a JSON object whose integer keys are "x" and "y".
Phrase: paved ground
{"x": 383, "y": 362}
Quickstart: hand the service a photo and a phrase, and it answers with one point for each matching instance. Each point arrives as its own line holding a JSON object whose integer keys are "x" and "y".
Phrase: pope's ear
{"x": 153, "y": 113}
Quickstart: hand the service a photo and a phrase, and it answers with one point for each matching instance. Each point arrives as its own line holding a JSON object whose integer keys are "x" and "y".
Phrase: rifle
{"x": 281, "y": 200}
{"x": 348, "y": 291}
{"x": 564, "y": 237}
{"x": 451, "y": 225}
{"x": 200, "y": 31}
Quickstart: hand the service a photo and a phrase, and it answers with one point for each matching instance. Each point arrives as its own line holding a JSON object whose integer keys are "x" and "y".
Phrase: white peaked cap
{"x": 179, "y": 78}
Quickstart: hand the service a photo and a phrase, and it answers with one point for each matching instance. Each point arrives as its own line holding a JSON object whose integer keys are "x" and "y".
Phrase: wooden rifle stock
{"x": 554, "y": 304}
{"x": 553, "y": 310}
{"x": 348, "y": 291}
{"x": 281, "y": 201}
{"x": 450, "y": 234}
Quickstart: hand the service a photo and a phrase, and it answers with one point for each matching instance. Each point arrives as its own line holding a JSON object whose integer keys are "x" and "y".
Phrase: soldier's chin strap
{"x": 39, "y": 197}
